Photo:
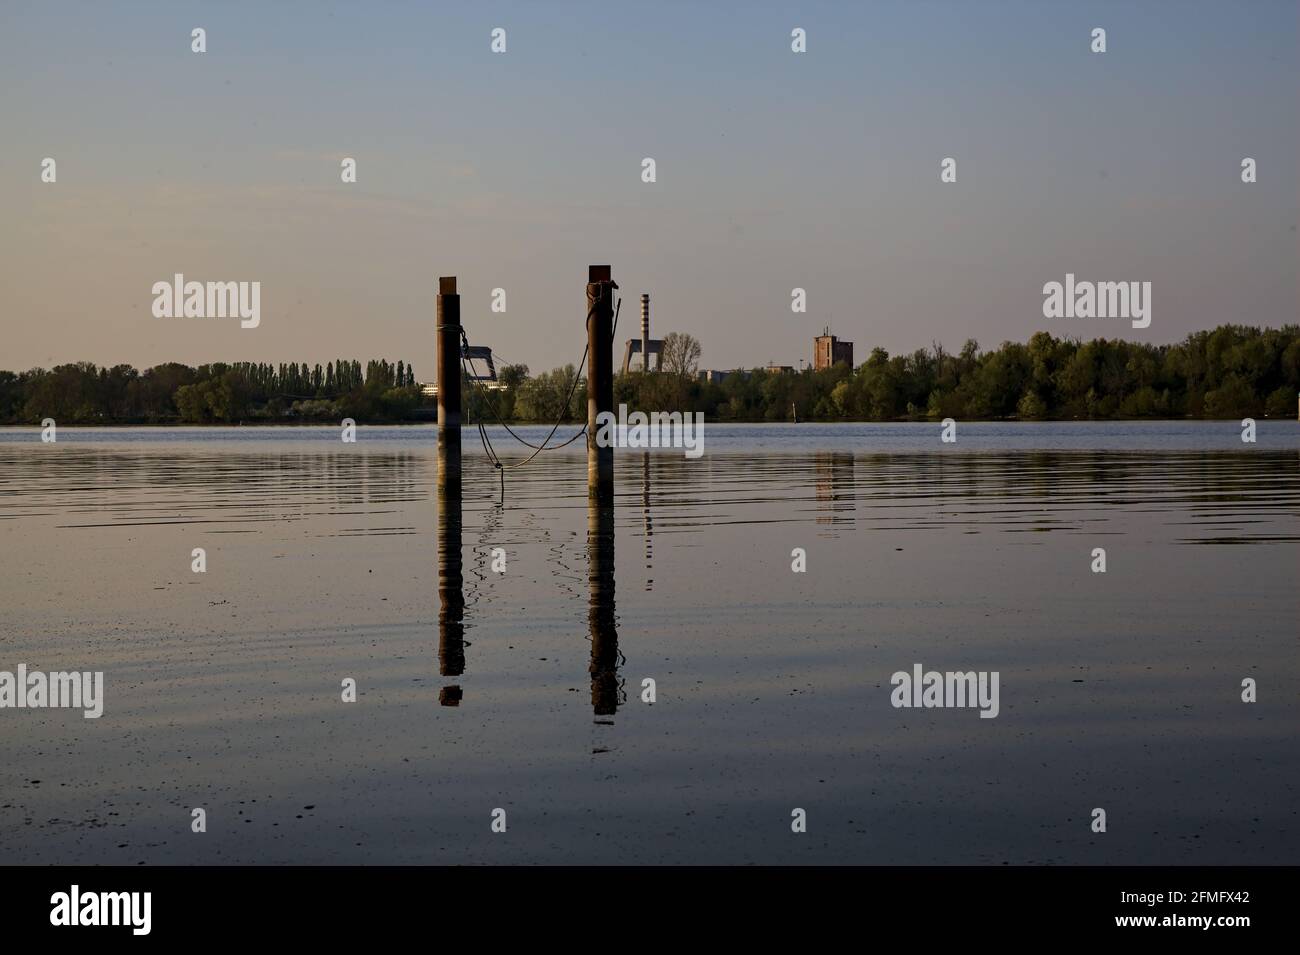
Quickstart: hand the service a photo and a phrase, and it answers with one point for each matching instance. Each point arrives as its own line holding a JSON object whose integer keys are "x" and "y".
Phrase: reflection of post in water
{"x": 605, "y": 691}
{"x": 835, "y": 487}
{"x": 451, "y": 590}
{"x": 645, "y": 516}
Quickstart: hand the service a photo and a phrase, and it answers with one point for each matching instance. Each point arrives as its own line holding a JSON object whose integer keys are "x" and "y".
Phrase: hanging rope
{"x": 491, "y": 403}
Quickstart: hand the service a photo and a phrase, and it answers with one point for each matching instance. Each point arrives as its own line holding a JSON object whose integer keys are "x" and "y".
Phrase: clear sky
{"x": 517, "y": 170}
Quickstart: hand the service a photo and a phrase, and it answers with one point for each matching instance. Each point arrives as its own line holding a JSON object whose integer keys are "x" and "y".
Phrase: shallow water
{"x": 523, "y": 689}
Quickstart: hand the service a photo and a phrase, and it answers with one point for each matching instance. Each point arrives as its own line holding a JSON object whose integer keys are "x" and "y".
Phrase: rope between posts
{"x": 491, "y": 403}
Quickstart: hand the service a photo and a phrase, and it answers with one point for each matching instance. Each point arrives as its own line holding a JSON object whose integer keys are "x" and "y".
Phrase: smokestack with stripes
{"x": 647, "y": 346}
{"x": 645, "y": 331}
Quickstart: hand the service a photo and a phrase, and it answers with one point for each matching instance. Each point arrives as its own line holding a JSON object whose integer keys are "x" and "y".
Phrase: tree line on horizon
{"x": 1227, "y": 372}
{"x": 1230, "y": 371}
{"x": 81, "y": 393}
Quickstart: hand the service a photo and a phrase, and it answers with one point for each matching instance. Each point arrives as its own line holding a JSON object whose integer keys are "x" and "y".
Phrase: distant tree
{"x": 550, "y": 396}
{"x": 681, "y": 354}
{"x": 1031, "y": 406}
{"x": 512, "y": 378}
{"x": 192, "y": 402}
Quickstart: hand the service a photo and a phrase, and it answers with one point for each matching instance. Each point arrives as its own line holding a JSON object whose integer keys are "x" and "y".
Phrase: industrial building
{"x": 645, "y": 346}
{"x": 829, "y": 350}
{"x": 712, "y": 376}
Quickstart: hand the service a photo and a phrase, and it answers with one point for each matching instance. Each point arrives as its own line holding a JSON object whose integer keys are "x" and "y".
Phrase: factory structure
{"x": 829, "y": 350}
{"x": 487, "y": 378}
{"x": 645, "y": 346}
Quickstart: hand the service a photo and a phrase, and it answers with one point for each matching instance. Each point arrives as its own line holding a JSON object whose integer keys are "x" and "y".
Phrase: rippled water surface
{"x": 523, "y": 689}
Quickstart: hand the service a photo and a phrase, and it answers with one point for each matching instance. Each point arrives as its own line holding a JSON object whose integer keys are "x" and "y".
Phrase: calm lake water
{"x": 523, "y": 690}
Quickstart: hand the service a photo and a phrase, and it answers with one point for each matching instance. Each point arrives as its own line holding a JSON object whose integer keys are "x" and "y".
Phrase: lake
{"x": 515, "y": 678}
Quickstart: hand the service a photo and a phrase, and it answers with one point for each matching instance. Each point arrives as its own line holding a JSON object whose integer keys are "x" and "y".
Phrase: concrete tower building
{"x": 828, "y": 350}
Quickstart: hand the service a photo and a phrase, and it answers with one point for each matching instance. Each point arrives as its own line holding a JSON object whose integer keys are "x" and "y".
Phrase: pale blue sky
{"x": 775, "y": 170}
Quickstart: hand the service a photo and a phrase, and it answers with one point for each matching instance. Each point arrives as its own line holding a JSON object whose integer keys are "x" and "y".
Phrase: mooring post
{"x": 600, "y": 380}
{"x": 451, "y": 593}
{"x": 448, "y": 380}
{"x": 600, "y": 492}
{"x": 448, "y": 372}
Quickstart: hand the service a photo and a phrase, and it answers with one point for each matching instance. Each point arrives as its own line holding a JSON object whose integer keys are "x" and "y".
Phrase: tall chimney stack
{"x": 645, "y": 331}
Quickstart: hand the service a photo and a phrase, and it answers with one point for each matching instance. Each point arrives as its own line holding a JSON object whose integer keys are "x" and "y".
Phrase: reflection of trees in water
{"x": 1064, "y": 490}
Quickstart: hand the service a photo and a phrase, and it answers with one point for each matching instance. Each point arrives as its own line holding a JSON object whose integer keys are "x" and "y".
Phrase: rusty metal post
{"x": 451, "y": 593}
{"x": 600, "y": 380}
{"x": 600, "y": 492}
{"x": 448, "y": 379}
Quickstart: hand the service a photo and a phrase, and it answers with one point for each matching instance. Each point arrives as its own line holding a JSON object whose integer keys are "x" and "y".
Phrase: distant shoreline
{"x": 468, "y": 426}
{"x": 1226, "y": 373}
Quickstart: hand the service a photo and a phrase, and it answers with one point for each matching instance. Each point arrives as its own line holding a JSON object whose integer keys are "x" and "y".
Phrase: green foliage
{"x": 220, "y": 393}
{"x": 681, "y": 354}
{"x": 1228, "y": 372}
{"x": 551, "y": 395}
